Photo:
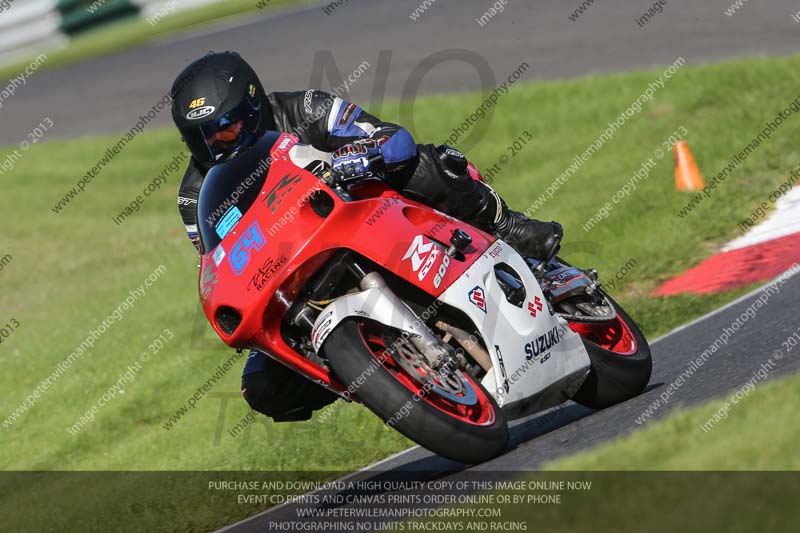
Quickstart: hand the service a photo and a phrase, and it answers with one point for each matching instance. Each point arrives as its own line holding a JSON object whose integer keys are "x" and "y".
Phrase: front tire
{"x": 354, "y": 350}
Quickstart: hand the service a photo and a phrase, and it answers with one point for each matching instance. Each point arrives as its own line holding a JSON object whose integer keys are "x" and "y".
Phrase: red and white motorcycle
{"x": 442, "y": 330}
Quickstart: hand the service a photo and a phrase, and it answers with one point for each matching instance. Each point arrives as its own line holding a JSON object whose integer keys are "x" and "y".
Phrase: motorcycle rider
{"x": 220, "y": 108}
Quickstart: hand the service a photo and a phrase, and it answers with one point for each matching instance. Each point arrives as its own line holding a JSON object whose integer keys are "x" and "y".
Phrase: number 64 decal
{"x": 251, "y": 239}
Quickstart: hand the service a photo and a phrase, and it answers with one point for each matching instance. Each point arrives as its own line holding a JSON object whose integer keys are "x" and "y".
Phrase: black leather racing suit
{"x": 435, "y": 176}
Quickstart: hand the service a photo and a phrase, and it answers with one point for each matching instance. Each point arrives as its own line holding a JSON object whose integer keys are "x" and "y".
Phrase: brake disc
{"x": 447, "y": 383}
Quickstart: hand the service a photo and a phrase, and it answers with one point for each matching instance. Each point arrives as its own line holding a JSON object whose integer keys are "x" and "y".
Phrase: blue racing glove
{"x": 356, "y": 160}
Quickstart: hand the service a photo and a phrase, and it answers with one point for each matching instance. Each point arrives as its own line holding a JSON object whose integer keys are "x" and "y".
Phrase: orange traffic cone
{"x": 687, "y": 175}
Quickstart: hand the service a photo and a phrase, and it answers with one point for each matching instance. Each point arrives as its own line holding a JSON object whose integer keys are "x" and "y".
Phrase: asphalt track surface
{"x": 109, "y": 93}
{"x": 572, "y": 428}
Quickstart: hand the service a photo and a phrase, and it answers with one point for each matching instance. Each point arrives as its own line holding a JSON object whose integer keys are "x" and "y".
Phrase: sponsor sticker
{"x": 423, "y": 255}
{"x": 265, "y": 272}
{"x": 563, "y": 278}
{"x": 275, "y": 196}
{"x": 418, "y": 252}
{"x": 228, "y": 221}
{"x": 200, "y": 112}
{"x": 539, "y": 347}
{"x": 442, "y": 272}
{"x": 319, "y": 333}
{"x": 208, "y": 279}
{"x": 535, "y": 306}
{"x": 478, "y": 298}
{"x": 218, "y": 255}
{"x": 506, "y": 386}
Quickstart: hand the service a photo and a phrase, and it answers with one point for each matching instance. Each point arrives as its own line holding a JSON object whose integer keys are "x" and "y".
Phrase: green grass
{"x": 73, "y": 269}
{"x": 760, "y": 432}
{"x": 70, "y": 270}
{"x": 133, "y": 31}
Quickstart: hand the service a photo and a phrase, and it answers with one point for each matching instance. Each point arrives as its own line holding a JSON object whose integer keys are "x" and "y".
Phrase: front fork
{"x": 419, "y": 335}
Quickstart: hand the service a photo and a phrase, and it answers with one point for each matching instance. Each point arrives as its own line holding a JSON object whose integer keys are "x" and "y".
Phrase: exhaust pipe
{"x": 463, "y": 338}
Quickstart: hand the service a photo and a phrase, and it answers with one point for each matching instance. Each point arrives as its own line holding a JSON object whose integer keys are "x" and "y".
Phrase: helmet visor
{"x": 223, "y": 137}
{"x": 228, "y": 135}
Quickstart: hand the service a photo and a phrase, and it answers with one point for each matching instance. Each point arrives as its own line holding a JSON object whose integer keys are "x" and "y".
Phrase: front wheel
{"x": 621, "y": 360}
{"x": 451, "y": 415}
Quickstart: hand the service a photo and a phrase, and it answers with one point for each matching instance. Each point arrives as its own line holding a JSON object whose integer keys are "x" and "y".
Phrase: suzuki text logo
{"x": 535, "y": 306}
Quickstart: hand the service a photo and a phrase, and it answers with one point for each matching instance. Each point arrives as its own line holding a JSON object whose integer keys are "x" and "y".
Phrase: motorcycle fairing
{"x": 527, "y": 359}
{"x": 525, "y": 377}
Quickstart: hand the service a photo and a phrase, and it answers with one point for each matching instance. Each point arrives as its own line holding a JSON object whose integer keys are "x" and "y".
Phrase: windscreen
{"x": 230, "y": 189}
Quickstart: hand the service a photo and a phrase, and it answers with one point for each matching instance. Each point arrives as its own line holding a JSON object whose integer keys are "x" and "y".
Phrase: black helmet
{"x": 220, "y": 107}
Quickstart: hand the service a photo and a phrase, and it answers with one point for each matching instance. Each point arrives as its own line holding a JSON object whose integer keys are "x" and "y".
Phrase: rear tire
{"x": 351, "y": 356}
{"x": 615, "y": 378}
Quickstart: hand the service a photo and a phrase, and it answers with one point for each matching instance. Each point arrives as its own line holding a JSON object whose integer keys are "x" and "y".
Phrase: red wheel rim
{"x": 614, "y": 336}
{"x": 479, "y": 414}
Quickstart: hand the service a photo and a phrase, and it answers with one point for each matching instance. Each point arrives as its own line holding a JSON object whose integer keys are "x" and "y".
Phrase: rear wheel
{"x": 621, "y": 360}
{"x": 449, "y": 413}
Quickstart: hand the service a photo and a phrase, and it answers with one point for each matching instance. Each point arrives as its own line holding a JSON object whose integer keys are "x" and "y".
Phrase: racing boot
{"x": 531, "y": 238}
